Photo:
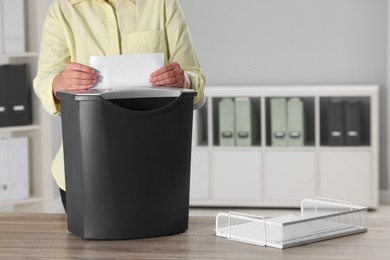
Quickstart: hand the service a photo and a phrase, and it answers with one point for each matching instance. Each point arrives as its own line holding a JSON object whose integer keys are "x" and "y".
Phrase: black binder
{"x": 353, "y": 123}
{"x": 18, "y": 95}
{"x": 336, "y": 123}
{"x": 3, "y": 97}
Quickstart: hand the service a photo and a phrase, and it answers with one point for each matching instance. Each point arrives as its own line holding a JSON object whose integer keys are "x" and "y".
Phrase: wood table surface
{"x": 45, "y": 236}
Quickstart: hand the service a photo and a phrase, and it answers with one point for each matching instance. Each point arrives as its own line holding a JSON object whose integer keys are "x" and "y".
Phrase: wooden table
{"x": 45, "y": 236}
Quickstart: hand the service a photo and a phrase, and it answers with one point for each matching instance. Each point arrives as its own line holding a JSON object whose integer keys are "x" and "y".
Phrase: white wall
{"x": 290, "y": 42}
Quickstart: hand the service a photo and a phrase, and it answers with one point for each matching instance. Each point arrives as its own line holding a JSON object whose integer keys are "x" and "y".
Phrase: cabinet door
{"x": 346, "y": 176}
{"x": 199, "y": 175}
{"x": 290, "y": 176}
{"x": 236, "y": 175}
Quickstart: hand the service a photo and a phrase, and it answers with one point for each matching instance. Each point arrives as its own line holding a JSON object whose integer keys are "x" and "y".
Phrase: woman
{"x": 75, "y": 30}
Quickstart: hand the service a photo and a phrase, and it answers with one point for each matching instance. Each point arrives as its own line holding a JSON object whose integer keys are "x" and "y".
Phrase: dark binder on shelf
{"x": 336, "y": 131}
{"x": 226, "y": 122}
{"x": 244, "y": 122}
{"x": 3, "y": 97}
{"x": 295, "y": 122}
{"x": 18, "y": 95}
{"x": 278, "y": 121}
{"x": 353, "y": 123}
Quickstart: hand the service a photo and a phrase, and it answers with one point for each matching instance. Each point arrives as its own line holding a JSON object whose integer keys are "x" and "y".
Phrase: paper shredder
{"x": 127, "y": 161}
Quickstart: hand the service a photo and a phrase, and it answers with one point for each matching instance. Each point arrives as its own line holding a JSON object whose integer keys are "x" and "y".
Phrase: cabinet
{"x": 39, "y": 132}
{"x": 263, "y": 175}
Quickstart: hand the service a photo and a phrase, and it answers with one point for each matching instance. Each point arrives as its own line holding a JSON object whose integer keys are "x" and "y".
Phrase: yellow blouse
{"x": 75, "y": 30}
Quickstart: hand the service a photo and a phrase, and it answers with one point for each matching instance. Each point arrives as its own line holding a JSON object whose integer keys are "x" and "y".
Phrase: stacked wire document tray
{"x": 320, "y": 219}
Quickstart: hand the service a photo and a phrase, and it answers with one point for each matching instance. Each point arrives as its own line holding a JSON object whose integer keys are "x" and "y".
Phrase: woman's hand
{"x": 170, "y": 75}
{"x": 75, "y": 76}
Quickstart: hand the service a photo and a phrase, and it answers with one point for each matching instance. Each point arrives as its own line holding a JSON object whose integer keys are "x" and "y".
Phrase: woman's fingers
{"x": 78, "y": 76}
{"x": 169, "y": 75}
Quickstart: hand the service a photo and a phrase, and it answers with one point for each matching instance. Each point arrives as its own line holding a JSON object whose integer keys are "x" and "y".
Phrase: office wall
{"x": 294, "y": 42}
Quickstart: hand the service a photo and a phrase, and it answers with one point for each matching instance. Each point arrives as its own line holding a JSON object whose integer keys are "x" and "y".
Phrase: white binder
{"x": 245, "y": 127}
{"x": 226, "y": 122}
{"x": 13, "y": 26}
{"x": 295, "y": 122}
{"x": 197, "y": 128}
{"x": 1, "y": 28}
{"x": 4, "y": 195}
{"x": 279, "y": 121}
{"x": 18, "y": 168}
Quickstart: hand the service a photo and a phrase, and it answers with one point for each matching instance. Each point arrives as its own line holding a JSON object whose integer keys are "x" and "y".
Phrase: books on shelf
{"x": 290, "y": 122}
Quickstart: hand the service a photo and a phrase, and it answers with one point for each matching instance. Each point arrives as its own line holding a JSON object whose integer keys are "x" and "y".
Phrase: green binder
{"x": 295, "y": 122}
{"x": 278, "y": 121}
{"x": 226, "y": 122}
{"x": 245, "y": 130}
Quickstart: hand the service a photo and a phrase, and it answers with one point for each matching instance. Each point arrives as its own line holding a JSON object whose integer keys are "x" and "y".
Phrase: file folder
{"x": 4, "y": 170}
{"x": 18, "y": 95}
{"x": 226, "y": 122}
{"x": 353, "y": 123}
{"x": 278, "y": 121}
{"x": 245, "y": 127}
{"x": 295, "y": 122}
{"x": 197, "y": 128}
{"x": 18, "y": 165}
{"x": 3, "y": 97}
{"x": 335, "y": 118}
{"x": 13, "y": 26}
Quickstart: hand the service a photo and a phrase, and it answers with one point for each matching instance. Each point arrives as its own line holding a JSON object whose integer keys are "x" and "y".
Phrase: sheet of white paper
{"x": 282, "y": 219}
{"x": 123, "y": 71}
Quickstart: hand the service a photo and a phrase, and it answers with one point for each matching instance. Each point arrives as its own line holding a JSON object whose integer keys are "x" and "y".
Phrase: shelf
{"x": 21, "y": 202}
{"x": 277, "y": 175}
{"x": 25, "y": 128}
{"x": 9, "y": 58}
{"x": 18, "y": 55}
{"x": 346, "y": 148}
{"x": 236, "y": 148}
{"x": 40, "y": 149}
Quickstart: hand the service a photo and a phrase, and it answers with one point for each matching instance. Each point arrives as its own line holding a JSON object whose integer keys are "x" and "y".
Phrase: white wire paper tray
{"x": 320, "y": 219}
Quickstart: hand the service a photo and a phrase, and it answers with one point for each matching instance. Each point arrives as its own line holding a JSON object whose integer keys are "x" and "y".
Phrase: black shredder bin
{"x": 127, "y": 161}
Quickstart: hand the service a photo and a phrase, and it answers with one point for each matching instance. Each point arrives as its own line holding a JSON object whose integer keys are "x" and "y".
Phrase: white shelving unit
{"x": 265, "y": 176}
{"x": 39, "y": 132}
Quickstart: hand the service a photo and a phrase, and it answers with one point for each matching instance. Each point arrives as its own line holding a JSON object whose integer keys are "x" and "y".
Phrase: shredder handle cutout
{"x": 151, "y": 112}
